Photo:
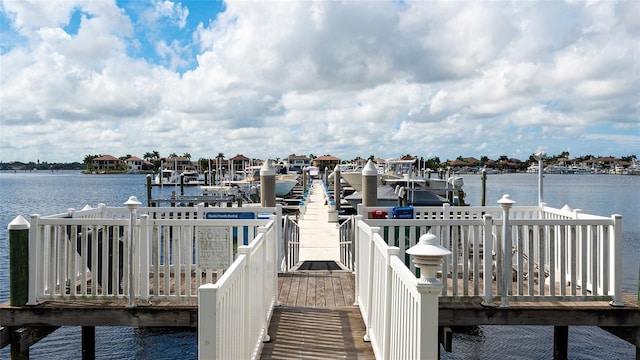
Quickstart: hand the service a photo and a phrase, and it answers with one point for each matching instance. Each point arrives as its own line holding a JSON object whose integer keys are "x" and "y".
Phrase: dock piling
{"x": 148, "y": 190}
{"x": 268, "y": 184}
{"x": 19, "y": 261}
{"x": 560, "y": 342}
{"x": 484, "y": 186}
{"x": 369, "y": 184}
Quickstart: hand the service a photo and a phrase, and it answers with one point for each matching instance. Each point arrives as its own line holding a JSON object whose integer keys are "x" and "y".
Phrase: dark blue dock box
{"x": 402, "y": 212}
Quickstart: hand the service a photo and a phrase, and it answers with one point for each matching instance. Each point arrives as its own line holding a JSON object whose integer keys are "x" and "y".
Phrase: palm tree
{"x": 88, "y": 161}
{"x": 152, "y": 155}
{"x": 187, "y": 155}
{"x": 204, "y": 164}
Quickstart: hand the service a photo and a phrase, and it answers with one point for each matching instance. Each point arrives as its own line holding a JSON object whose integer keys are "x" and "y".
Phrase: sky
{"x": 268, "y": 79}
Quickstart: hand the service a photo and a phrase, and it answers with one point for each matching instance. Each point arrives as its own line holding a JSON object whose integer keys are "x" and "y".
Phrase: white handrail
{"x": 84, "y": 255}
{"x": 555, "y": 255}
{"x": 234, "y": 313}
{"x": 400, "y": 313}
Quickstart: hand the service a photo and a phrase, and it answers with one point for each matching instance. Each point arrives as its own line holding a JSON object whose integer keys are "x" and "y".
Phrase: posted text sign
{"x": 214, "y": 247}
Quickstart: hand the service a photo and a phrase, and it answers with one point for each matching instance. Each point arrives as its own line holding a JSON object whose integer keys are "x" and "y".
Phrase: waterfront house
{"x": 239, "y": 163}
{"x": 179, "y": 163}
{"x": 104, "y": 163}
{"x": 296, "y": 163}
{"x": 136, "y": 165}
{"x": 326, "y": 161}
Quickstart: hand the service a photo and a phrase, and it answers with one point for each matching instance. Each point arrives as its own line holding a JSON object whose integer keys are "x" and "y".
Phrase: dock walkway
{"x": 318, "y": 237}
{"x": 317, "y": 317}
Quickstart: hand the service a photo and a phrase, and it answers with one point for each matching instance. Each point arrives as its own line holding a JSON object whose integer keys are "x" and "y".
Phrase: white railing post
{"x": 427, "y": 256}
{"x": 267, "y": 283}
{"x": 207, "y": 321}
{"x": 34, "y": 260}
{"x": 144, "y": 257}
{"x": 246, "y": 301}
{"x": 355, "y": 249}
{"x": 279, "y": 246}
{"x": 103, "y": 210}
{"x": 371, "y": 247}
{"x": 386, "y": 326}
{"x": 132, "y": 205}
{"x": 616, "y": 267}
{"x": 506, "y": 203}
{"x": 274, "y": 239}
{"x": 487, "y": 254}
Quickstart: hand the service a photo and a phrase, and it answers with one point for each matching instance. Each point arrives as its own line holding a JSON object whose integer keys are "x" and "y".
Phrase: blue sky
{"x": 348, "y": 78}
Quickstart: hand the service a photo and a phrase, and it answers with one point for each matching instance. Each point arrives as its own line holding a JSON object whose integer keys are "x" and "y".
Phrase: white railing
{"x": 291, "y": 232}
{"x": 234, "y": 313}
{"x": 401, "y": 318}
{"x": 447, "y": 211}
{"x": 347, "y": 231}
{"x": 89, "y": 254}
{"x": 551, "y": 254}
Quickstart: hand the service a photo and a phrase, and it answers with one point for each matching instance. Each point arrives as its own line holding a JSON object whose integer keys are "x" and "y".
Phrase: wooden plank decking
{"x": 316, "y": 318}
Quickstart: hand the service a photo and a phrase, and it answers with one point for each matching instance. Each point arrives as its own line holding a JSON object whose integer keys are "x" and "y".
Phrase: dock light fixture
{"x": 132, "y": 204}
{"x": 428, "y": 255}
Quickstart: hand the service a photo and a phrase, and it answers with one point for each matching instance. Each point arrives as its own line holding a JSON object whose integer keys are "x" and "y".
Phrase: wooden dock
{"x": 315, "y": 316}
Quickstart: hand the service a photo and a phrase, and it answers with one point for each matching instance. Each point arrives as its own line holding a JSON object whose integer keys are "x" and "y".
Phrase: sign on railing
{"x": 214, "y": 250}
{"x": 90, "y": 254}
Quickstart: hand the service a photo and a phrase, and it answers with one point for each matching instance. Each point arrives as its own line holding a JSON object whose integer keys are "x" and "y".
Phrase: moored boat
{"x": 167, "y": 177}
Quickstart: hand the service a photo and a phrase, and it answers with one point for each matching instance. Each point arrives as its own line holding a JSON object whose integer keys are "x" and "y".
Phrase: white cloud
{"x": 348, "y": 78}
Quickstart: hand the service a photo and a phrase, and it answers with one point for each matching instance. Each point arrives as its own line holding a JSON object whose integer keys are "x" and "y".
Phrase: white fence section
{"x": 234, "y": 313}
{"x": 291, "y": 231}
{"x": 151, "y": 254}
{"x": 347, "y": 234}
{"x": 553, "y": 254}
{"x": 400, "y": 314}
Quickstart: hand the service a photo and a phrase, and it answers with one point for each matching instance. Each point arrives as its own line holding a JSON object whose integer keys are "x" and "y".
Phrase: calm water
{"x": 47, "y": 193}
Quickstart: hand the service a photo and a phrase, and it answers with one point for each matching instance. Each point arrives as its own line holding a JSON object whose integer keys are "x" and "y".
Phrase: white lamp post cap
{"x": 429, "y": 245}
{"x": 506, "y": 200}
{"x": 132, "y": 202}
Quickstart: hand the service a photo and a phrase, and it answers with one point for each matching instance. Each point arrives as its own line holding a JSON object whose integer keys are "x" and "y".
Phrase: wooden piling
{"x": 484, "y": 187}
{"x": 148, "y": 190}
{"x": 18, "y": 261}
{"x": 18, "y": 277}
{"x": 88, "y": 342}
{"x": 369, "y": 184}
{"x": 268, "y": 184}
{"x": 560, "y": 342}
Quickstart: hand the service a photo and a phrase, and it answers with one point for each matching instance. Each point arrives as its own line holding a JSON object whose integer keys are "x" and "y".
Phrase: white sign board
{"x": 214, "y": 247}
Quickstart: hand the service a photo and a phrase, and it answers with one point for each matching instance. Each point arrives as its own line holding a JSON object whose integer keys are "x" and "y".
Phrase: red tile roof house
{"x": 326, "y": 161}
{"x": 104, "y": 163}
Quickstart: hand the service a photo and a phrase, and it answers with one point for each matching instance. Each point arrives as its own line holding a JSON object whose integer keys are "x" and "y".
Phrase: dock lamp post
{"x": 540, "y": 156}
{"x": 506, "y": 203}
{"x": 133, "y": 204}
{"x": 427, "y": 255}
